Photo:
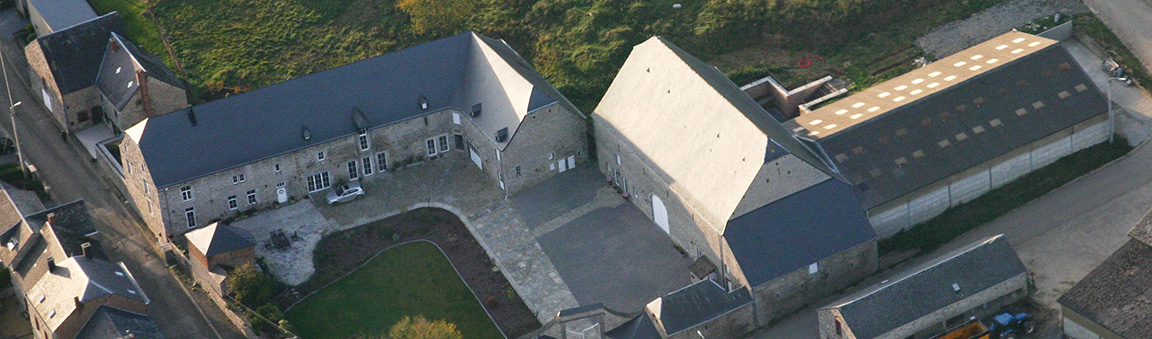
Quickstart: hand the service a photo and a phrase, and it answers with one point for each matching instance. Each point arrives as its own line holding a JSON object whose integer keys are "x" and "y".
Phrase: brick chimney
{"x": 77, "y": 301}
{"x": 142, "y": 81}
{"x": 51, "y": 264}
{"x": 51, "y": 218}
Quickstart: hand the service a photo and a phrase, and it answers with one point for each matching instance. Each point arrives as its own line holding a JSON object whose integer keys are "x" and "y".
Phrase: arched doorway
{"x": 659, "y": 213}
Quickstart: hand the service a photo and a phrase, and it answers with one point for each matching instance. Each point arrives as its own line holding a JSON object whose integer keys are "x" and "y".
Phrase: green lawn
{"x": 408, "y": 280}
{"x": 141, "y": 30}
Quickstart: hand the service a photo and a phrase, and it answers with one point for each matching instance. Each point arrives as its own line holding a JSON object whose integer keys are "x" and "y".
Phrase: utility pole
{"x": 1112, "y": 116}
{"x": 12, "y": 115}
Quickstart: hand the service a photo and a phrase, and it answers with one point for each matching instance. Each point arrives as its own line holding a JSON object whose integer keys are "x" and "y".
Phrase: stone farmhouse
{"x": 948, "y": 132}
{"x": 791, "y": 206}
{"x": 62, "y": 275}
{"x": 926, "y": 300}
{"x": 467, "y": 97}
{"x": 1112, "y": 300}
{"x": 89, "y": 74}
{"x": 729, "y": 184}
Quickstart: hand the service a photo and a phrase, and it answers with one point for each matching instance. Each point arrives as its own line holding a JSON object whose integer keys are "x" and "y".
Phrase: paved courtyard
{"x": 569, "y": 241}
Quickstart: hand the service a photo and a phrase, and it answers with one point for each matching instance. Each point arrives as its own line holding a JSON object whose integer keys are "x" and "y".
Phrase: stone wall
{"x": 787, "y": 294}
{"x": 164, "y": 98}
{"x": 932, "y": 200}
{"x": 76, "y": 320}
{"x": 546, "y": 137}
{"x": 142, "y": 190}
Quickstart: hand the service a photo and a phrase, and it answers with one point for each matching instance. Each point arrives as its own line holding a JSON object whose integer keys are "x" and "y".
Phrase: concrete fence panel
{"x": 1049, "y": 153}
{"x": 1090, "y": 135}
{"x": 970, "y": 187}
{"x": 928, "y": 205}
{"x": 1010, "y": 169}
{"x": 890, "y": 221}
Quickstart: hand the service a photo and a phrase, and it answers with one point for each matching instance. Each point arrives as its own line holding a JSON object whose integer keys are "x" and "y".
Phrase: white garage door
{"x": 659, "y": 213}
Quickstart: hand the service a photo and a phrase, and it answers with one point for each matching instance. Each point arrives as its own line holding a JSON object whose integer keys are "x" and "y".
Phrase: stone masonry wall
{"x": 793, "y": 291}
{"x": 43, "y": 81}
{"x": 141, "y": 190}
{"x": 977, "y": 305}
{"x": 546, "y": 136}
{"x": 734, "y": 324}
{"x": 165, "y": 98}
{"x": 76, "y": 320}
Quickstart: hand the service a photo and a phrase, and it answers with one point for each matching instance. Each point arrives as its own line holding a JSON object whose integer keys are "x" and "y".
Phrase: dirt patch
{"x": 342, "y": 252}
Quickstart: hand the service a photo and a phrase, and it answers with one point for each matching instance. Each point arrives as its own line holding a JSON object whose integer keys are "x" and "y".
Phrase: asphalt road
{"x": 70, "y": 176}
{"x": 1131, "y": 20}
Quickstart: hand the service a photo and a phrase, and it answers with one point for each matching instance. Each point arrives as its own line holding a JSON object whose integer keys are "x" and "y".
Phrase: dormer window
{"x": 307, "y": 134}
{"x": 117, "y": 70}
{"x": 477, "y": 109}
{"x": 423, "y": 103}
{"x": 130, "y": 83}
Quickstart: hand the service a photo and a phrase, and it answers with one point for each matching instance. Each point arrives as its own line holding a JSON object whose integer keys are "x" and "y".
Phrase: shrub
{"x": 420, "y": 328}
{"x": 251, "y": 286}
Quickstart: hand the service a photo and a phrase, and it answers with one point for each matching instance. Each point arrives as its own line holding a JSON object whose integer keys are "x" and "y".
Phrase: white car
{"x": 345, "y": 193}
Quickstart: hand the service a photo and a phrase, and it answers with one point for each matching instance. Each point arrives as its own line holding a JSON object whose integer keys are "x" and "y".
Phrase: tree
{"x": 420, "y": 328}
{"x": 250, "y": 286}
{"x": 440, "y": 17}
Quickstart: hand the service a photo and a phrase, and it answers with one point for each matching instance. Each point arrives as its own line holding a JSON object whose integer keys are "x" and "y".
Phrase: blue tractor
{"x": 1012, "y": 326}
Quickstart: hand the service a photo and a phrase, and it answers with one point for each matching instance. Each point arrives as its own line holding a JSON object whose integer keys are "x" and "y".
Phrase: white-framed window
{"x": 185, "y": 193}
{"x": 251, "y": 197}
{"x": 232, "y": 202}
{"x": 382, "y": 161}
{"x": 150, "y": 207}
{"x": 276, "y": 167}
{"x": 814, "y": 268}
{"x": 438, "y": 144}
{"x": 365, "y": 143}
{"x": 431, "y": 145}
{"x": 239, "y": 178}
{"x": 455, "y": 118}
{"x": 443, "y": 143}
{"x": 353, "y": 173}
{"x": 190, "y": 216}
{"x": 366, "y": 162}
{"x": 318, "y": 181}
{"x": 129, "y": 166}
{"x": 517, "y": 171}
{"x": 281, "y": 184}
{"x": 320, "y": 156}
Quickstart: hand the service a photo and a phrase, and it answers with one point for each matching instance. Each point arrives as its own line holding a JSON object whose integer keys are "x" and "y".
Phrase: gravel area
{"x": 958, "y": 35}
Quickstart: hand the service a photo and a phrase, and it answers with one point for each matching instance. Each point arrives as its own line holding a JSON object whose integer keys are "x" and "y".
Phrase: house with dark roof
{"x": 730, "y": 185}
{"x": 65, "y": 69}
{"x": 703, "y": 309}
{"x": 60, "y": 272}
{"x": 49, "y": 16}
{"x": 1112, "y": 300}
{"x": 110, "y": 322}
{"x": 929, "y": 298}
{"x": 466, "y": 98}
{"x": 948, "y": 132}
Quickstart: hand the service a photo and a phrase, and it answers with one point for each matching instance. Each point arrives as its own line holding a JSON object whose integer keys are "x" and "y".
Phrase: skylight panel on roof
{"x": 1081, "y": 87}
{"x": 856, "y": 116}
{"x": 830, "y": 126}
{"x": 915, "y": 92}
{"x": 950, "y": 78}
{"x": 1034, "y": 44}
{"x": 874, "y": 108}
{"x": 901, "y": 161}
{"x": 961, "y": 136}
{"x": 992, "y": 61}
{"x": 977, "y": 57}
{"x": 858, "y": 105}
{"x": 815, "y": 122}
{"x": 944, "y": 143}
{"x": 1017, "y": 51}
{"x": 813, "y": 132}
{"x": 797, "y": 129}
{"x": 883, "y": 95}
{"x": 933, "y": 85}
{"x": 901, "y": 87}
{"x": 917, "y": 81}
{"x": 1001, "y": 47}
{"x": 1064, "y": 94}
{"x": 1018, "y": 40}
{"x": 898, "y": 99}
{"x": 975, "y": 68}
{"x": 994, "y": 122}
{"x": 840, "y": 112}
{"x": 1038, "y": 105}
{"x": 1021, "y": 112}
{"x": 934, "y": 74}
{"x": 841, "y": 157}
{"x": 959, "y": 64}
{"x": 978, "y": 129}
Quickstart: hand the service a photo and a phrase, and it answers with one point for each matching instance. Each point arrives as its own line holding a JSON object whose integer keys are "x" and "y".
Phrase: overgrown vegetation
{"x": 965, "y": 217}
{"x": 1094, "y": 28}
{"x": 12, "y": 175}
{"x": 232, "y": 46}
{"x": 5, "y": 277}
{"x": 420, "y": 328}
{"x": 251, "y": 286}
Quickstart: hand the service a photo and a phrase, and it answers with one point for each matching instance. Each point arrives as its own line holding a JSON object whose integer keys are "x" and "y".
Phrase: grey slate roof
{"x": 110, "y": 322}
{"x": 797, "y": 230}
{"x": 216, "y": 239}
{"x": 926, "y": 288}
{"x": 117, "y": 72}
{"x": 1143, "y": 230}
{"x": 1115, "y": 294}
{"x": 61, "y": 14}
{"x": 697, "y": 303}
{"x": 74, "y": 54}
{"x": 899, "y": 152}
{"x": 453, "y": 72}
{"x": 640, "y": 327}
{"x": 84, "y": 279}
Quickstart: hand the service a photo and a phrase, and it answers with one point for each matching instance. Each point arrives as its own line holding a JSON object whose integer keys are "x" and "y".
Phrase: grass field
{"x": 232, "y": 46}
{"x": 407, "y": 280}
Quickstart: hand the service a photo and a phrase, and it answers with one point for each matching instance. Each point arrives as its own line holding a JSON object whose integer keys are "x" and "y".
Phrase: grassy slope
{"x": 140, "y": 29}
{"x": 409, "y": 280}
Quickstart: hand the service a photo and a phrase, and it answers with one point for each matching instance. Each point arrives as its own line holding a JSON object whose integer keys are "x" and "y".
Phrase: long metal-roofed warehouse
{"x": 951, "y": 131}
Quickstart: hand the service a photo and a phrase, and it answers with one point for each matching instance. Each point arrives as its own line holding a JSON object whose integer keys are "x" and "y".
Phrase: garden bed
{"x": 343, "y": 252}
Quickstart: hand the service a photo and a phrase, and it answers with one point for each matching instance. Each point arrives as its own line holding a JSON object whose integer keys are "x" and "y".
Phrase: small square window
{"x": 232, "y": 202}
{"x": 276, "y": 167}
{"x": 898, "y": 172}
{"x": 251, "y": 197}
{"x": 1046, "y": 73}
{"x": 320, "y": 156}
